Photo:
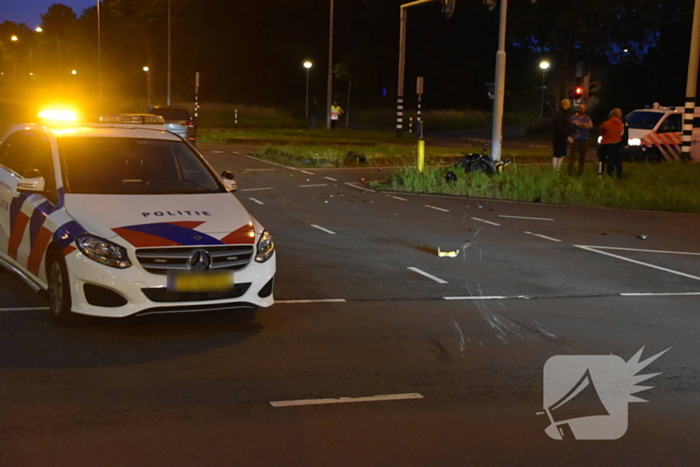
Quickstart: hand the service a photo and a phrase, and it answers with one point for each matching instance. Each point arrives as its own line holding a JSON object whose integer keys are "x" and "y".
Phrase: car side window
{"x": 41, "y": 161}
{"x": 672, "y": 124}
{"x": 14, "y": 153}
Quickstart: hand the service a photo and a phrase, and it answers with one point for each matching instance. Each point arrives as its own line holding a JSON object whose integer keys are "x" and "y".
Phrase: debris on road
{"x": 447, "y": 254}
{"x": 642, "y": 237}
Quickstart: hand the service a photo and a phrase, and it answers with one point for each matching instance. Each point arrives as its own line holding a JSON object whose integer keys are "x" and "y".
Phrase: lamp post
{"x": 329, "y": 86}
{"x": 99, "y": 53}
{"x": 308, "y": 66}
{"x": 148, "y": 84}
{"x": 168, "y": 97}
{"x": 544, "y": 66}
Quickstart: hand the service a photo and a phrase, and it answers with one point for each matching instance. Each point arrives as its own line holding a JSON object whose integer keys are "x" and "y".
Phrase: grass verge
{"x": 664, "y": 187}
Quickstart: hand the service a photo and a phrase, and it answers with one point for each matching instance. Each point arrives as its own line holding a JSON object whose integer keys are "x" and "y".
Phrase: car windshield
{"x": 172, "y": 114}
{"x": 643, "y": 120}
{"x": 97, "y": 165}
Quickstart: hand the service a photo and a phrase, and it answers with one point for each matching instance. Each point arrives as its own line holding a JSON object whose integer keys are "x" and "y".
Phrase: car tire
{"x": 59, "y": 293}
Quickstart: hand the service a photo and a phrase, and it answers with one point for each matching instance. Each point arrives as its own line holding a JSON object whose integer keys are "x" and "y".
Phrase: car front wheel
{"x": 59, "y": 294}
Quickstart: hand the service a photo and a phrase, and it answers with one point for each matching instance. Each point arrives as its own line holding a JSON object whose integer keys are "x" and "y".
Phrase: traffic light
{"x": 490, "y": 4}
{"x": 448, "y": 7}
{"x": 578, "y": 92}
{"x": 593, "y": 88}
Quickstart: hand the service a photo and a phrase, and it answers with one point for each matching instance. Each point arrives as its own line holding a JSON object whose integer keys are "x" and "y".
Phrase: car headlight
{"x": 265, "y": 247}
{"x": 600, "y": 139}
{"x": 634, "y": 142}
{"x": 103, "y": 251}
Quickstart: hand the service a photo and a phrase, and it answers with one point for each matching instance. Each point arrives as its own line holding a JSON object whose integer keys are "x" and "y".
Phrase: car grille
{"x": 161, "y": 294}
{"x": 162, "y": 260}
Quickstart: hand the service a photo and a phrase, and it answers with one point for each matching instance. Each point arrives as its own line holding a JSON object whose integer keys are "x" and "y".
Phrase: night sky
{"x": 30, "y": 11}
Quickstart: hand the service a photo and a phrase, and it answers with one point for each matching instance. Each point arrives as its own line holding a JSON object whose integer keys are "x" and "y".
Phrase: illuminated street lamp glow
{"x": 38, "y": 29}
{"x": 14, "y": 38}
{"x": 74, "y": 72}
{"x": 308, "y": 65}
{"x": 544, "y": 65}
{"x": 145, "y": 68}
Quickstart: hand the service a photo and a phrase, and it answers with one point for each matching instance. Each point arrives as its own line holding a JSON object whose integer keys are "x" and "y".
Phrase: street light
{"x": 38, "y": 29}
{"x": 308, "y": 66}
{"x": 14, "y": 38}
{"x": 148, "y": 84}
{"x": 74, "y": 72}
{"x": 544, "y": 66}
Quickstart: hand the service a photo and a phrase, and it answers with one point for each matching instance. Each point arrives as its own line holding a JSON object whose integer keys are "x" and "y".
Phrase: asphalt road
{"x": 366, "y": 307}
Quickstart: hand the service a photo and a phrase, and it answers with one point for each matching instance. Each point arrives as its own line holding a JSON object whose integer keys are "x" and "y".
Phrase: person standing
{"x": 313, "y": 114}
{"x": 336, "y": 111}
{"x": 609, "y": 154}
{"x": 579, "y": 148}
{"x": 562, "y": 134}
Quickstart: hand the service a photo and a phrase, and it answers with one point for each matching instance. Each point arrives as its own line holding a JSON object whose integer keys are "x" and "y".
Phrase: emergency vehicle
{"x": 116, "y": 217}
{"x": 657, "y": 131}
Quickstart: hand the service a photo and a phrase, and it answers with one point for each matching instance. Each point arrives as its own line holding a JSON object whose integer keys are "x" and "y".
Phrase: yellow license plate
{"x": 201, "y": 282}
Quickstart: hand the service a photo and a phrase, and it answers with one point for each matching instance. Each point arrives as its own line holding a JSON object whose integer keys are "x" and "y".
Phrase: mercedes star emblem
{"x": 199, "y": 261}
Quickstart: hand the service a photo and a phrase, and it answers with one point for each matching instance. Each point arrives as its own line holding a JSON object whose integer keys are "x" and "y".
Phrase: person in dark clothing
{"x": 313, "y": 113}
{"x": 583, "y": 123}
{"x": 609, "y": 154}
{"x": 562, "y": 134}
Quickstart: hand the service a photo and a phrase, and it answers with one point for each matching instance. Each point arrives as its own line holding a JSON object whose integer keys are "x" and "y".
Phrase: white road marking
{"x": 256, "y": 200}
{"x": 461, "y": 336}
{"x": 311, "y": 186}
{"x": 323, "y": 229}
{"x": 483, "y": 297}
{"x": 323, "y": 300}
{"x": 641, "y": 263}
{"x": 485, "y": 221}
{"x": 217, "y": 152}
{"x": 346, "y": 400}
{"x": 429, "y": 276}
{"x": 527, "y": 218}
{"x": 259, "y": 189}
{"x": 661, "y": 294}
{"x": 30, "y": 308}
{"x": 544, "y": 331}
{"x": 331, "y": 179}
{"x": 359, "y": 187}
{"x": 645, "y": 251}
{"x": 307, "y": 173}
{"x": 263, "y": 160}
{"x": 260, "y": 170}
{"x": 400, "y": 199}
{"x": 542, "y": 236}
{"x": 436, "y": 208}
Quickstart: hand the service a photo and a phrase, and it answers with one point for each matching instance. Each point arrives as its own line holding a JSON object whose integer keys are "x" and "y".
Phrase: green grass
{"x": 664, "y": 187}
{"x": 300, "y": 136}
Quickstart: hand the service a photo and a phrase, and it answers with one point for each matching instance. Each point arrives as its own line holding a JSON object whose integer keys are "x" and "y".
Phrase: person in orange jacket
{"x": 609, "y": 154}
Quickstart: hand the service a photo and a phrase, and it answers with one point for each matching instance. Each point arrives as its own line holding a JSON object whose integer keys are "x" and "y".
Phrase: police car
{"x": 655, "y": 133}
{"x": 116, "y": 217}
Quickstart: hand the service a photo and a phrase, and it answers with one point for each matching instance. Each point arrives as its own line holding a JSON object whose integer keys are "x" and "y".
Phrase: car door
{"x": 14, "y": 157}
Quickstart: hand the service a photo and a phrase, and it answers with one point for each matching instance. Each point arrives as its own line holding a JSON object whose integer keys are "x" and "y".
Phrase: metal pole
{"x": 692, "y": 84}
{"x": 99, "y": 53}
{"x": 168, "y": 99}
{"x": 500, "y": 85}
{"x": 307, "y": 94}
{"x": 347, "y": 109}
{"x": 543, "y": 88}
{"x": 402, "y": 65}
{"x": 329, "y": 90}
{"x": 148, "y": 86}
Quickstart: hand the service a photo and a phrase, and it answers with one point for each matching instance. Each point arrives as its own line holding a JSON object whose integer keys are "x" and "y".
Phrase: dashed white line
{"x": 307, "y": 173}
{"x": 527, "y": 218}
{"x": 482, "y": 297}
{"x": 646, "y": 251}
{"x": 311, "y": 186}
{"x": 429, "y": 276}
{"x": 260, "y": 170}
{"x": 217, "y": 152}
{"x": 346, "y": 400}
{"x": 331, "y": 179}
{"x": 323, "y": 229}
{"x": 263, "y": 160}
{"x": 641, "y": 263}
{"x": 400, "y": 199}
{"x": 436, "y": 208}
{"x": 542, "y": 236}
{"x": 259, "y": 189}
{"x": 256, "y": 200}
{"x": 485, "y": 221}
{"x": 322, "y": 300}
{"x": 359, "y": 187}
{"x": 30, "y": 308}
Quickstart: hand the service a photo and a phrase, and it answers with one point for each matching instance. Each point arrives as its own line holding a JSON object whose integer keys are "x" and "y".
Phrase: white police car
{"x": 118, "y": 217}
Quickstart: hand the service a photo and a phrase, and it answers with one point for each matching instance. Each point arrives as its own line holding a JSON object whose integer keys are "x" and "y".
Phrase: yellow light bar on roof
{"x": 58, "y": 115}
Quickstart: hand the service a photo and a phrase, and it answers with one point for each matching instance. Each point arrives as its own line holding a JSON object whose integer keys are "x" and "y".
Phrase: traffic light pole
{"x": 692, "y": 84}
{"x": 500, "y": 85}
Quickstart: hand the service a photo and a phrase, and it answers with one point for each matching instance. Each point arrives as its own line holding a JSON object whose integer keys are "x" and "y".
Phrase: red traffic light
{"x": 578, "y": 91}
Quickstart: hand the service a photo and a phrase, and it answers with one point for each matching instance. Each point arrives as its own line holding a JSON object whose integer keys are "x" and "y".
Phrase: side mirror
{"x": 32, "y": 185}
{"x": 229, "y": 180}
